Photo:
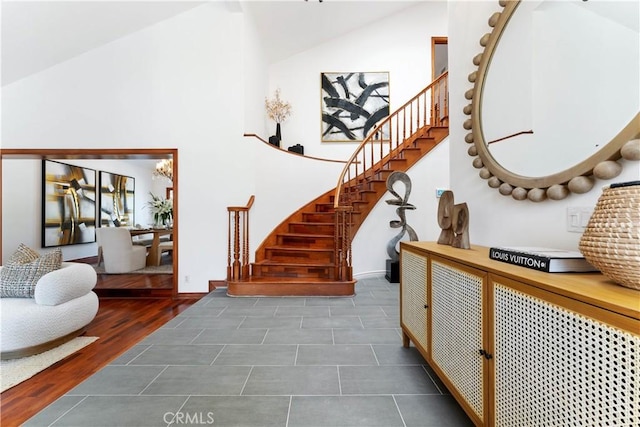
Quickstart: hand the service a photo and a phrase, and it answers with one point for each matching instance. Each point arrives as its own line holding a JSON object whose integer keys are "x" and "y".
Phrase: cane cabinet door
{"x": 413, "y": 304}
{"x": 459, "y": 349}
{"x": 556, "y": 366}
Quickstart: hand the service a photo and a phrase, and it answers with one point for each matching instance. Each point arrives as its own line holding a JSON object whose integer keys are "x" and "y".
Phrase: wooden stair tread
{"x": 269, "y": 262}
{"x": 276, "y": 280}
{"x": 297, "y": 248}
{"x": 321, "y": 213}
{"x": 291, "y": 286}
{"x": 307, "y": 235}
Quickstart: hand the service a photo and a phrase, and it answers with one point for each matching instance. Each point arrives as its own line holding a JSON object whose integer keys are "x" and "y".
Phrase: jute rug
{"x": 15, "y": 371}
{"x": 161, "y": 269}
{"x": 165, "y": 267}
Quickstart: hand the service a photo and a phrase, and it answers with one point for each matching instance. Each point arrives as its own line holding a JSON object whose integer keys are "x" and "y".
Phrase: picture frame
{"x": 68, "y": 204}
{"x": 117, "y": 200}
{"x": 352, "y": 104}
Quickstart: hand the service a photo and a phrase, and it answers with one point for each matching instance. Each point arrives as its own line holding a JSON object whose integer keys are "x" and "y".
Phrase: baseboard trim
{"x": 215, "y": 284}
{"x": 190, "y": 295}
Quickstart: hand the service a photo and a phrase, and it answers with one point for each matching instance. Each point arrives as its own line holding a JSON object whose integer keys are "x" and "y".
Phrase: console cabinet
{"x": 520, "y": 347}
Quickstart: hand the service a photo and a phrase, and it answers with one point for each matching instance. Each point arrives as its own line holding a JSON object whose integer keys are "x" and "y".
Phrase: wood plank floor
{"x": 119, "y": 324}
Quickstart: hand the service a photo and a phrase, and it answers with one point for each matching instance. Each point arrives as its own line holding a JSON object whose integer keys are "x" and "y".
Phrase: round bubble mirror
{"x": 555, "y": 99}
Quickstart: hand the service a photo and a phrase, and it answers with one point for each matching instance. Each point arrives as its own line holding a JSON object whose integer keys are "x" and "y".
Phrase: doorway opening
{"x": 439, "y": 56}
{"x": 118, "y": 154}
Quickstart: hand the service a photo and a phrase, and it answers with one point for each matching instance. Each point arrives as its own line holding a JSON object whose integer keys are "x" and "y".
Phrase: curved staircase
{"x": 309, "y": 253}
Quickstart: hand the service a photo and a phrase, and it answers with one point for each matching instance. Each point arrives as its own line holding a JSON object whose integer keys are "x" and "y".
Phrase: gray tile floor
{"x": 303, "y": 362}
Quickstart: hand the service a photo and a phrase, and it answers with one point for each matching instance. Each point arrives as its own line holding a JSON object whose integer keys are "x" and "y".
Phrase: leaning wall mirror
{"x": 551, "y": 110}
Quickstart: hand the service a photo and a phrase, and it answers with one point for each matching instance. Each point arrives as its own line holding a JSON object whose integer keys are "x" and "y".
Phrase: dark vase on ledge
{"x": 278, "y": 134}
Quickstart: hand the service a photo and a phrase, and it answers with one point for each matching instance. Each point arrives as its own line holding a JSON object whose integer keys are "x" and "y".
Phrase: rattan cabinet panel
{"x": 413, "y": 304}
{"x": 456, "y": 330}
{"x": 554, "y": 366}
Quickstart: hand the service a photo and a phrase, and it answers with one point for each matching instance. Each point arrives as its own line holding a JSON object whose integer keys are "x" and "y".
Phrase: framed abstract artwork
{"x": 117, "y": 200}
{"x": 68, "y": 204}
{"x": 352, "y": 104}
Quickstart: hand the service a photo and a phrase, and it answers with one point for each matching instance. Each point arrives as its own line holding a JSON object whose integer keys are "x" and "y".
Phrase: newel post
{"x": 238, "y": 242}
{"x": 342, "y": 241}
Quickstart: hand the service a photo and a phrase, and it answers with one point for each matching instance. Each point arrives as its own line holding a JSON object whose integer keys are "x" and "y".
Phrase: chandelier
{"x": 164, "y": 169}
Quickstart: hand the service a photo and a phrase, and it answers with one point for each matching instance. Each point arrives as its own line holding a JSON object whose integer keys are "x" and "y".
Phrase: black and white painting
{"x": 352, "y": 104}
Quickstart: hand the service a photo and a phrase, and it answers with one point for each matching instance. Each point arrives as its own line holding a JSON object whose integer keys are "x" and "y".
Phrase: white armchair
{"x": 118, "y": 252}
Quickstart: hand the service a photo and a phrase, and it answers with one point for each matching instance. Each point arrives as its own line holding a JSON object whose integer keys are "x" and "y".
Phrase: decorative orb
{"x": 494, "y": 182}
{"x": 631, "y": 150}
{"x": 505, "y": 189}
{"x": 468, "y": 138}
{"x": 485, "y": 39}
{"x": 558, "y": 192}
{"x": 581, "y": 184}
{"x": 607, "y": 169}
{"x": 467, "y": 124}
{"x": 519, "y": 193}
{"x": 484, "y": 173}
{"x": 469, "y": 94}
{"x": 502, "y": 3}
{"x": 537, "y": 195}
{"x": 477, "y": 59}
{"x": 494, "y": 19}
{"x": 477, "y": 163}
{"x": 467, "y": 109}
{"x": 472, "y": 151}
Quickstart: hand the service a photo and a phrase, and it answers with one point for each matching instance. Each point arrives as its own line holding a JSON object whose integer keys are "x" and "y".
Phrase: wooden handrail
{"x": 239, "y": 244}
{"x": 427, "y": 109}
{"x": 242, "y": 208}
{"x": 292, "y": 152}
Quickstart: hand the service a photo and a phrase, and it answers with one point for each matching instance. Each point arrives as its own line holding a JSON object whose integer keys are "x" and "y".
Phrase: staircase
{"x": 309, "y": 253}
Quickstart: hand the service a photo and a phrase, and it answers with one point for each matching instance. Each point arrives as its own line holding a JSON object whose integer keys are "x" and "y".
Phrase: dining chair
{"x": 165, "y": 246}
{"x": 118, "y": 252}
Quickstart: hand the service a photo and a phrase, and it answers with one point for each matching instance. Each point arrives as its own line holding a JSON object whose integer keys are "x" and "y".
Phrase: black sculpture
{"x": 393, "y": 263}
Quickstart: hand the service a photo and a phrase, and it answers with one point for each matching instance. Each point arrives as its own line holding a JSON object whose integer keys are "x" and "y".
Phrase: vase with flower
{"x": 278, "y": 111}
{"x": 162, "y": 211}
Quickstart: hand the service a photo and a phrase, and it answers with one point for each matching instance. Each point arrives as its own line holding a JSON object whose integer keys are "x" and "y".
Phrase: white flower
{"x": 160, "y": 208}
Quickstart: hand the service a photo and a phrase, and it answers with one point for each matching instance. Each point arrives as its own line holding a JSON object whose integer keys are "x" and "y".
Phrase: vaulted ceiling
{"x": 39, "y": 34}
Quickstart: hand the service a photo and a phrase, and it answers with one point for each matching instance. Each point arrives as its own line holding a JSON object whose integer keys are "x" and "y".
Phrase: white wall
{"x": 175, "y": 85}
{"x": 399, "y": 44}
{"x": 255, "y": 79}
{"x": 497, "y": 219}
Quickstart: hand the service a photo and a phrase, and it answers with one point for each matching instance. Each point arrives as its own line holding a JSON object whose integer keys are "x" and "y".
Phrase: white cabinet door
{"x": 457, "y": 330}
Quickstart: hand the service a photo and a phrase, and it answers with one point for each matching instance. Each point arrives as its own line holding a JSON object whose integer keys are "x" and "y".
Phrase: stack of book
{"x": 544, "y": 259}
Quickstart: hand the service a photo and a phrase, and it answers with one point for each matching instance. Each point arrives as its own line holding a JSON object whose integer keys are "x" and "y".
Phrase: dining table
{"x": 153, "y": 255}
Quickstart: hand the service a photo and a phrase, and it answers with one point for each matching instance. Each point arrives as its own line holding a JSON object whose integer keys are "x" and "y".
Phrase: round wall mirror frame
{"x": 579, "y": 178}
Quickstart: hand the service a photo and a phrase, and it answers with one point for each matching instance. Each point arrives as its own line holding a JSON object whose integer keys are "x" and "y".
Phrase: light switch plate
{"x": 578, "y": 218}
